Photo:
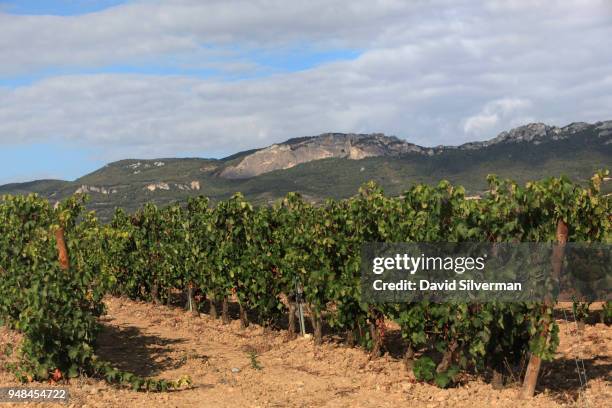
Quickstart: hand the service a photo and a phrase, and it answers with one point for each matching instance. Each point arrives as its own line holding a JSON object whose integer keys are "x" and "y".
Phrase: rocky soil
{"x": 233, "y": 367}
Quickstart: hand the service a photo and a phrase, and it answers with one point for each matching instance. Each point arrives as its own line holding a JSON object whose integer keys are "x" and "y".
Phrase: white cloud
{"x": 442, "y": 72}
{"x": 494, "y": 112}
{"x": 481, "y": 122}
{"x": 144, "y": 31}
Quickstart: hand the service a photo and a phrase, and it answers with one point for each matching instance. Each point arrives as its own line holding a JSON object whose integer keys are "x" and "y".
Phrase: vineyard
{"x": 268, "y": 259}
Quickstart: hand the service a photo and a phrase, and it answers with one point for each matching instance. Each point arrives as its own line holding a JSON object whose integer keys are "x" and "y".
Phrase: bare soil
{"x": 234, "y": 367}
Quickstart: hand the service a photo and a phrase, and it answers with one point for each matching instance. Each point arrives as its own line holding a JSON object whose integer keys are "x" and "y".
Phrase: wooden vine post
{"x": 191, "y": 304}
{"x": 62, "y": 251}
{"x": 535, "y": 362}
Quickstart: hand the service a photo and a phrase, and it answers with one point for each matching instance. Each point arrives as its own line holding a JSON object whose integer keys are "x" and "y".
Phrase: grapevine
{"x": 258, "y": 256}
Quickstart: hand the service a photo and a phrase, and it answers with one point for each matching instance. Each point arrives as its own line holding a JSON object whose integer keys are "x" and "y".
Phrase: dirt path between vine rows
{"x": 167, "y": 343}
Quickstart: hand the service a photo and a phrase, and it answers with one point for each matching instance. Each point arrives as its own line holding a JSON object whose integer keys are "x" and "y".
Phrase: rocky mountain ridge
{"x": 537, "y": 133}
{"x": 354, "y": 146}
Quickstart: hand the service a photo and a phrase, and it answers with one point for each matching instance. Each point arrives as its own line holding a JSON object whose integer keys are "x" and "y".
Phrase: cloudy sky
{"x": 85, "y": 82}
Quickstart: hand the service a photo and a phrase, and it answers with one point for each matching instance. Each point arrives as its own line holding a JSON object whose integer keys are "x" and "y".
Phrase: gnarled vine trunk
{"x": 409, "y": 358}
{"x": 447, "y": 358}
{"x": 317, "y": 324}
{"x": 225, "y": 311}
{"x": 244, "y": 319}
{"x": 350, "y": 337}
{"x": 497, "y": 381}
{"x": 155, "y": 293}
{"x": 291, "y": 318}
{"x": 377, "y": 340}
{"x": 377, "y": 332}
{"x": 212, "y": 307}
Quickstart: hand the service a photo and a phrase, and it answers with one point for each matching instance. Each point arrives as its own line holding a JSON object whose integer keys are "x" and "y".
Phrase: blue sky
{"x": 268, "y": 62}
{"x": 83, "y": 83}
{"x": 46, "y": 161}
{"x": 56, "y": 7}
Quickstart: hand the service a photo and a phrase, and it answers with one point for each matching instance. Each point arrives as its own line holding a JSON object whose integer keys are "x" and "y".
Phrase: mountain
{"x": 326, "y": 146}
{"x": 336, "y": 164}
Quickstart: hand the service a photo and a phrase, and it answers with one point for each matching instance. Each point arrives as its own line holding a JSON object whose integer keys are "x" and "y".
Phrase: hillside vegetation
{"x": 323, "y": 167}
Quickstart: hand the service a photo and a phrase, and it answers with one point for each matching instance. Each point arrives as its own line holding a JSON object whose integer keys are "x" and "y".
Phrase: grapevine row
{"x": 258, "y": 256}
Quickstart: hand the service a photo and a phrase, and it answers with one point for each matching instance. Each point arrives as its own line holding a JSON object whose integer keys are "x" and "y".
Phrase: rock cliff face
{"x": 85, "y": 189}
{"x": 325, "y": 146}
{"x": 192, "y": 186}
{"x": 359, "y": 146}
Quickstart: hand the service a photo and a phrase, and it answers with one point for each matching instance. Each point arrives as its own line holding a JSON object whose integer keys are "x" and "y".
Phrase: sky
{"x": 87, "y": 82}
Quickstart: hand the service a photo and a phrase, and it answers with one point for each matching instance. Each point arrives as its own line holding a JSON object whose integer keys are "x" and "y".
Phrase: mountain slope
{"x": 334, "y": 165}
{"x": 43, "y": 187}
